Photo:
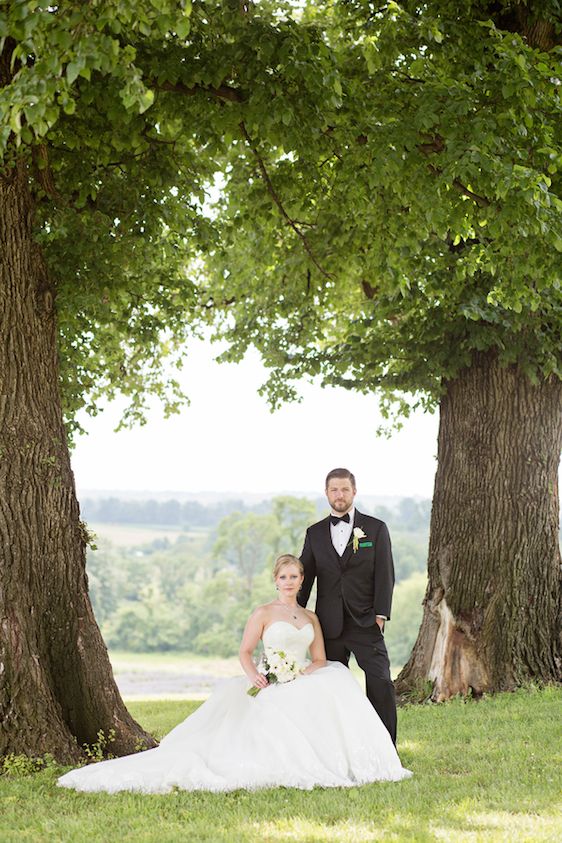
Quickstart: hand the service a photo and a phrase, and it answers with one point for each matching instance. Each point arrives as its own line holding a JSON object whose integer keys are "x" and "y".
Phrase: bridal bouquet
{"x": 276, "y": 666}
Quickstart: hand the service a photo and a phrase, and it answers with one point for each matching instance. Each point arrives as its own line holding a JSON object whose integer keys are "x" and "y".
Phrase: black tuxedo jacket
{"x": 362, "y": 580}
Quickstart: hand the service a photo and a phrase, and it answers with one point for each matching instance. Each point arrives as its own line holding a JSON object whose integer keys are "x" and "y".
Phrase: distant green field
{"x": 174, "y": 662}
{"x": 132, "y": 535}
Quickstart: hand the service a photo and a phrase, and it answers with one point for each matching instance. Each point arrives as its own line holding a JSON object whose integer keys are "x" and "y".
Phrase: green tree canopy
{"x": 293, "y": 515}
{"x": 124, "y": 113}
{"x": 391, "y": 180}
{"x": 422, "y": 222}
{"x": 248, "y": 543}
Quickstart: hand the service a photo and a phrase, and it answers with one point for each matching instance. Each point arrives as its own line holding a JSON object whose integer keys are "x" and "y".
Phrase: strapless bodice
{"x": 282, "y": 635}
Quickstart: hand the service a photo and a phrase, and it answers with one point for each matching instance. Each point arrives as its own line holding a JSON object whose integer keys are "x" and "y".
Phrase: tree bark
{"x": 56, "y": 684}
{"x": 492, "y": 606}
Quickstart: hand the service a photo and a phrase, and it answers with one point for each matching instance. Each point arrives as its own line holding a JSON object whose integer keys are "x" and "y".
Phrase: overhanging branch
{"x": 223, "y": 92}
{"x": 481, "y": 201}
{"x": 271, "y": 190}
{"x": 433, "y": 145}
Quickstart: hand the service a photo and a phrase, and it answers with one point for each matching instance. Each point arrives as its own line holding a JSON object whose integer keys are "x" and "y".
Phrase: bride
{"x": 309, "y": 724}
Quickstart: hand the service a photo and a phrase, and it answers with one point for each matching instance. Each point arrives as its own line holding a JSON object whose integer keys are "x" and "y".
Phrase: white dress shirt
{"x": 341, "y": 533}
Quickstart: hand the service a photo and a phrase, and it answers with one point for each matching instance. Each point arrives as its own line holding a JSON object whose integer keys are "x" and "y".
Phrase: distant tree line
{"x": 169, "y": 513}
{"x": 409, "y": 514}
{"x": 194, "y": 594}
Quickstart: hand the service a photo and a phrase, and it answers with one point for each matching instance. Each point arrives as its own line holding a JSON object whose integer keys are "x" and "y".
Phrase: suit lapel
{"x": 358, "y": 520}
{"x": 348, "y": 552}
{"x": 332, "y": 552}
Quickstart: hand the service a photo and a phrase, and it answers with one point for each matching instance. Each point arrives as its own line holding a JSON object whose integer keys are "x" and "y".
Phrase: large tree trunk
{"x": 56, "y": 684}
{"x": 492, "y": 607}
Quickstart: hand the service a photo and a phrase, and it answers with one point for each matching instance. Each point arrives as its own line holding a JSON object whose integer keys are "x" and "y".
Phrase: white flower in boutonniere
{"x": 357, "y": 534}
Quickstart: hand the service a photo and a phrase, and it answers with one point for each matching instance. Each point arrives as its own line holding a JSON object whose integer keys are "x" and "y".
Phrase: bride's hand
{"x": 260, "y": 681}
{"x": 315, "y": 665}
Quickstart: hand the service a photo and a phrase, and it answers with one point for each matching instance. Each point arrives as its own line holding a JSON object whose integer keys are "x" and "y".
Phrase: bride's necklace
{"x": 291, "y": 609}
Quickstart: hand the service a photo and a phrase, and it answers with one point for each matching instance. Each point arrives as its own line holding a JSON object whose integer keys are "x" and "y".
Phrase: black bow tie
{"x": 336, "y": 520}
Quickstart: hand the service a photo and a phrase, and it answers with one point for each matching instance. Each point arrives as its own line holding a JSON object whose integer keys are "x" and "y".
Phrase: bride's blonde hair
{"x": 284, "y": 560}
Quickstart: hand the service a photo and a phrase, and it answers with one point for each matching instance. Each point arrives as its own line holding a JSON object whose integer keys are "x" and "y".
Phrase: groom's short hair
{"x": 341, "y": 474}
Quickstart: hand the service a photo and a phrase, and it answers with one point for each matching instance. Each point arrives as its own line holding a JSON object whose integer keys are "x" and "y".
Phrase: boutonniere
{"x": 357, "y": 534}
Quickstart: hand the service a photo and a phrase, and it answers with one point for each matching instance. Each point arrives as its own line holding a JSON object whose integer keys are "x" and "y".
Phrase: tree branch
{"x": 409, "y": 78}
{"x": 462, "y": 244}
{"x": 149, "y": 139}
{"x": 368, "y": 289}
{"x": 435, "y": 144}
{"x": 43, "y": 172}
{"x": 271, "y": 190}
{"x": 431, "y": 144}
{"x": 481, "y": 201}
{"x": 211, "y": 303}
{"x": 223, "y": 92}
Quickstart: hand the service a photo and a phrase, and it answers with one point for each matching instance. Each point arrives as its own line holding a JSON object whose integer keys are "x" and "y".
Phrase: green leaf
{"x": 146, "y": 100}
{"x": 183, "y": 28}
{"x": 73, "y": 69}
{"x": 15, "y": 120}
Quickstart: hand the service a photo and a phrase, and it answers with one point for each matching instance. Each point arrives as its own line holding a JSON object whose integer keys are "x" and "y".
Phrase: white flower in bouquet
{"x": 277, "y": 667}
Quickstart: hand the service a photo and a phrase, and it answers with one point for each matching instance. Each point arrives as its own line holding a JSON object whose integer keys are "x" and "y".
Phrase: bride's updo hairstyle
{"x": 284, "y": 560}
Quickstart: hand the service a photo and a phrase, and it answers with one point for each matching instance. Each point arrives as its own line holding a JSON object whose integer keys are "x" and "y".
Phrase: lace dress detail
{"x": 318, "y": 730}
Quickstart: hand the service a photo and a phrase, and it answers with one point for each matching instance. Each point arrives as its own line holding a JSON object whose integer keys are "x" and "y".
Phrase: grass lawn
{"x": 484, "y": 771}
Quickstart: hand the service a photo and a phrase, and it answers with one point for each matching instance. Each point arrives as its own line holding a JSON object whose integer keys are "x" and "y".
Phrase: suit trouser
{"x": 368, "y": 647}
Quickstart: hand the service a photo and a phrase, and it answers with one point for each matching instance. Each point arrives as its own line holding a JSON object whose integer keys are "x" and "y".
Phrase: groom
{"x": 350, "y": 555}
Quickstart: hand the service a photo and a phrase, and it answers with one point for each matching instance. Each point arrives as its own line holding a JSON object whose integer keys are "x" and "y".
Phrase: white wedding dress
{"x": 318, "y": 730}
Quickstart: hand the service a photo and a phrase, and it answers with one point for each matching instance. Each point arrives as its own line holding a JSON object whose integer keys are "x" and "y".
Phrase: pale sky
{"x": 227, "y": 440}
